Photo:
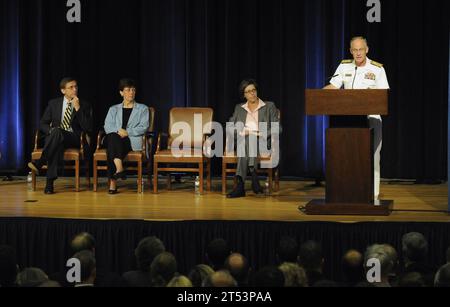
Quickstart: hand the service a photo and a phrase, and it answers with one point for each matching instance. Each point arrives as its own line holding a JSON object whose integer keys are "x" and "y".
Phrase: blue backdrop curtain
{"x": 195, "y": 53}
{"x": 11, "y": 119}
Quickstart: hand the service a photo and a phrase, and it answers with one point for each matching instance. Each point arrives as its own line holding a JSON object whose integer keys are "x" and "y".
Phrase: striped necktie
{"x": 66, "y": 123}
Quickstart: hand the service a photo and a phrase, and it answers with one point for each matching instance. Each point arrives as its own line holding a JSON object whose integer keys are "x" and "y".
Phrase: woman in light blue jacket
{"x": 125, "y": 125}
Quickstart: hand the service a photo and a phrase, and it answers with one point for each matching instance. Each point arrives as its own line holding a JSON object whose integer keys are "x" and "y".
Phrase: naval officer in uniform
{"x": 363, "y": 73}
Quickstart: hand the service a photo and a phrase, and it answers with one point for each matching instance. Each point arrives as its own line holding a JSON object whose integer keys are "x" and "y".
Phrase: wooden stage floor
{"x": 413, "y": 203}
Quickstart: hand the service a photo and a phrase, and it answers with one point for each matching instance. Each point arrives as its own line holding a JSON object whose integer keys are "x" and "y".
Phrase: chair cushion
{"x": 70, "y": 154}
{"x": 100, "y": 155}
{"x": 167, "y": 156}
{"x": 232, "y": 157}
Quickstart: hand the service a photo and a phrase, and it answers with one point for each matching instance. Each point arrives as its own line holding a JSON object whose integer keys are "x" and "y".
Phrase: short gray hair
{"x": 358, "y": 38}
{"x": 294, "y": 275}
{"x": 383, "y": 254}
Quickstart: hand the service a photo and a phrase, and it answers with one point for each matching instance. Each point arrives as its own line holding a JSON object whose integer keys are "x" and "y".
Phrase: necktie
{"x": 67, "y": 117}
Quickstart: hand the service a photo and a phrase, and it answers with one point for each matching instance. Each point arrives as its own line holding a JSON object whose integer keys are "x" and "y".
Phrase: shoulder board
{"x": 346, "y": 61}
{"x": 376, "y": 64}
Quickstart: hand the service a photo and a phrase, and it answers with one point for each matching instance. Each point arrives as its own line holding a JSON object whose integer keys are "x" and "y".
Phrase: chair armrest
{"x": 207, "y": 145}
{"x": 100, "y": 136}
{"x": 36, "y": 140}
{"x": 160, "y": 136}
{"x": 149, "y": 137}
{"x": 85, "y": 139}
{"x": 147, "y": 142}
{"x": 82, "y": 140}
{"x": 151, "y": 134}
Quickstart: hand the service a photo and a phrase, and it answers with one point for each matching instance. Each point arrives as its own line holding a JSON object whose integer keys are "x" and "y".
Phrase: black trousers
{"x": 53, "y": 152}
{"x": 116, "y": 148}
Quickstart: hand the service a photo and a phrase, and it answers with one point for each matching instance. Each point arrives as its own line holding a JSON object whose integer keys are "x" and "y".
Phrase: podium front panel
{"x": 349, "y": 165}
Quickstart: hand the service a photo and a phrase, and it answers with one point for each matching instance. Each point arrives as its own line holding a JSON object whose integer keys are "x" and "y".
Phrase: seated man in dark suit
{"x": 64, "y": 120}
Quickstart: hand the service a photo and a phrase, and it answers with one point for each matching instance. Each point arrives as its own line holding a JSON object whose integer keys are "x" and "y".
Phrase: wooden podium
{"x": 349, "y": 151}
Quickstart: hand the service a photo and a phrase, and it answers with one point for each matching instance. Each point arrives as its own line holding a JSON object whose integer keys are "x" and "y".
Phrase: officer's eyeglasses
{"x": 358, "y": 50}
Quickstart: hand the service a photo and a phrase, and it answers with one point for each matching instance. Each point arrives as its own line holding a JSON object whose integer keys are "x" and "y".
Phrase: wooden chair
{"x": 229, "y": 164}
{"x": 196, "y": 143}
{"x": 135, "y": 157}
{"x": 75, "y": 155}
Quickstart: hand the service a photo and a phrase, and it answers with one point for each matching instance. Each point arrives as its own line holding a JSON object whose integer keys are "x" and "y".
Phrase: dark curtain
{"x": 195, "y": 53}
{"x": 44, "y": 243}
{"x": 12, "y": 143}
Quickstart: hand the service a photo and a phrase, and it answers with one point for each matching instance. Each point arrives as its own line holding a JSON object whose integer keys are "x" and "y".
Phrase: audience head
{"x": 199, "y": 273}
{"x": 310, "y": 256}
{"x": 238, "y": 267}
{"x": 163, "y": 269}
{"x": 216, "y": 252}
{"x": 390, "y": 250}
{"x": 31, "y": 277}
{"x": 287, "y": 250}
{"x": 352, "y": 266}
{"x": 383, "y": 255}
{"x": 83, "y": 241}
{"x": 8, "y": 266}
{"x": 442, "y": 278}
{"x": 220, "y": 279}
{"x": 294, "y": 275}
{"x": 88, "y": 266}
{"x": 269, "y": 276}
{"x": 414, "y": 247}
{"x": 147, "y": 249}
{"x": 179, "y": 282}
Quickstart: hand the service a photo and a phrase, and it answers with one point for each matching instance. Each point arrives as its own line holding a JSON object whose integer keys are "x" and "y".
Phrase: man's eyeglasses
{"x": 358, "y": 50}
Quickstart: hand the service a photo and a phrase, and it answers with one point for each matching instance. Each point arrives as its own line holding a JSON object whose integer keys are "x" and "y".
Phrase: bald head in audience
{"x": 238, "y": 267}
{"x": 353, "y": 258}
{"x": 83, "y": 241}
{"x": 352, "y": 266}
{"x": 220, "y": 279}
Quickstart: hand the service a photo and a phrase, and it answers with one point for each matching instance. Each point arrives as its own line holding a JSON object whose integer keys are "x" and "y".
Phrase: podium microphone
{"x": 356, "y": 70}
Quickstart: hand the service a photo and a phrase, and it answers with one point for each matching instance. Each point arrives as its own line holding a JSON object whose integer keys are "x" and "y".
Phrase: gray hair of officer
{"x": 382, "y": 254}
{"x": 358, "y": 38}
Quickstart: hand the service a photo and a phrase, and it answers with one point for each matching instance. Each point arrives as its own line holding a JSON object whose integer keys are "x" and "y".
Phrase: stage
{"x": 412, "y": 203}
{"x": 41, "y": 226}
